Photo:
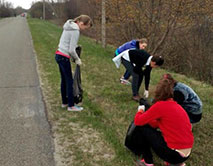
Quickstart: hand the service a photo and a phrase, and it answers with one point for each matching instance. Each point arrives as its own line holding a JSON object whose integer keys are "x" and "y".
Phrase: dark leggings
{"x": 193, "y": 117}
{"x": 145, "y": 138}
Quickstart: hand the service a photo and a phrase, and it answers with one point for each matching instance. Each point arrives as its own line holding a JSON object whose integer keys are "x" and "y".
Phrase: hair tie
{"x": 165, "y": 76}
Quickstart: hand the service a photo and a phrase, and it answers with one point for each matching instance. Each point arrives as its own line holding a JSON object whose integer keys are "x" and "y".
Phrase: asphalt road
{"x": 25, "y": 136}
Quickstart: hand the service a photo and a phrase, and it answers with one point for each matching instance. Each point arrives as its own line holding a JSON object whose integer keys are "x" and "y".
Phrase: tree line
{"x": 179, "y": 30}
{"x": 7, "y": 9}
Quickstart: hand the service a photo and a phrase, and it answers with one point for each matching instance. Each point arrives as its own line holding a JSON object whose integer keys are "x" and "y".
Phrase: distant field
{"x": 95, "y": 137}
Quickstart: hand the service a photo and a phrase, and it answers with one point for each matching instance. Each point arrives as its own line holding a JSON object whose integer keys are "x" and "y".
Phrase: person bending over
{"x": 187, "y": 98}
{"x": 66, "y": 51}
{"x": 139, "y": 64}
{"x": 133, "y": 44}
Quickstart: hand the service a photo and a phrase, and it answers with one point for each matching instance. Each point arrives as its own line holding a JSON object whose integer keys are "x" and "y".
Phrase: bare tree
{"x": 170, "y": 29}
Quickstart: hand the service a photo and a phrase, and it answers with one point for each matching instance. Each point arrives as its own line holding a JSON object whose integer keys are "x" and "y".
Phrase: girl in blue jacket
{"x": 133, "y": 44}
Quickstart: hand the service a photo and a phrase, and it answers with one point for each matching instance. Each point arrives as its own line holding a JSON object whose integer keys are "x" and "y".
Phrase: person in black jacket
{"x": 139, "y": 63}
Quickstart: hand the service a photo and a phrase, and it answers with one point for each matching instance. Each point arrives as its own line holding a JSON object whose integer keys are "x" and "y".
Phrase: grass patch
{"x": 96, "y": 135}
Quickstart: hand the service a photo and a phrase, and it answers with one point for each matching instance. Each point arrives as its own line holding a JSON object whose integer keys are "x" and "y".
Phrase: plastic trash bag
{"x": 77, "y": 89}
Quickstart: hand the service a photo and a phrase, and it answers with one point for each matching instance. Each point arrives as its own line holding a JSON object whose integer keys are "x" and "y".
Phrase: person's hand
{"x": 146, "y": 94}
{"x": 141, "y": 108}
{"x": 78, "y": 61}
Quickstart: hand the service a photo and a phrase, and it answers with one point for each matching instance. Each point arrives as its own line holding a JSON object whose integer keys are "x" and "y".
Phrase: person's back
{"x": 173, "y": 122}
{"x": 138, "y": 57}
{"x": 126, "y": 46}
{"x": 187, "y": 98}
{"x": 69, "y": 39}
{"x": 191, "y": 102}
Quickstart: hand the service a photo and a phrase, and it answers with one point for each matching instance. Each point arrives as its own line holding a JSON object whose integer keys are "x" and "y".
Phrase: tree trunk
{"x": 103, "y": 24}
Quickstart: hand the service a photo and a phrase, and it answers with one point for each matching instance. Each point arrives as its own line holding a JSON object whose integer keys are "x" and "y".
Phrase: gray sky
{"x": 26, "y": 4}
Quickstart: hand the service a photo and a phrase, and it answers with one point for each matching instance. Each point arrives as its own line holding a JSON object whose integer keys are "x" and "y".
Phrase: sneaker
{"x": 168, "y": 164}
{"x": 143, "y": 163}
{"x": 136, "y": 98}
{"x": 75, "y": 108}
{"x": 124, "y": 81}
{"x": 64, "y": 105}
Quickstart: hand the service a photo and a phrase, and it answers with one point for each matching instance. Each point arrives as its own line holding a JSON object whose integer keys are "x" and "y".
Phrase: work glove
{"x": 141, "y": 108}
{"x": 78, "y": 61}
{"x": 146, "y": 94}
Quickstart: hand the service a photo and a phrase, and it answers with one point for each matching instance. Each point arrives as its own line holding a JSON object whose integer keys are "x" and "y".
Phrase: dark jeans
{"x": 193, "y": 117}
{"x": 136, "y": 78}
{"x": 145, "y": 138}
{"x": 66, "y": 80}
{"x": 126, "y": 75}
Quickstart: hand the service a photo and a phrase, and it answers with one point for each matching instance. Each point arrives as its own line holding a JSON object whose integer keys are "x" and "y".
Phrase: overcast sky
{"x": 26, "y": 4}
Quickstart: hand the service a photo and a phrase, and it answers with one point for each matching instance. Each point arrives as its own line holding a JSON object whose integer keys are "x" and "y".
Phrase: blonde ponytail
{"x": 85, "y": 19}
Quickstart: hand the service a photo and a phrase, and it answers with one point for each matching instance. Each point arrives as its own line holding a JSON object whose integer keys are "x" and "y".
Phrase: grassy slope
{"x": 108, "y": 106}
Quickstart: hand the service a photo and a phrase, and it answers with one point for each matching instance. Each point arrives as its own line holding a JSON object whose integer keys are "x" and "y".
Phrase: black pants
{"x": 193, "y": 117}
{"x": 146, "y": 138}
{"x": 136, "y": 78}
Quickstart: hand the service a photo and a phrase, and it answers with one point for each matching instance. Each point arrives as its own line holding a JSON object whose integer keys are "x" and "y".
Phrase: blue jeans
{"x": 126, "y": 75}
{"x": 66, "y": 80}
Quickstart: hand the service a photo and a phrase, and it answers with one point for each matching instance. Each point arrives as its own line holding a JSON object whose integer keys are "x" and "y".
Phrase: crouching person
{"x": 187, "y": 98}
{"x": 174, "y": 141}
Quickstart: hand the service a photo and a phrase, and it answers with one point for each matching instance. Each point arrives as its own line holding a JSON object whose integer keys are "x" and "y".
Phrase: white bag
{"x": 117, "y": 59}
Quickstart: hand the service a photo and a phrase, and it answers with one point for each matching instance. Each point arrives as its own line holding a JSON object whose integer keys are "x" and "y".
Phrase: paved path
{"x": 25, "y": 137}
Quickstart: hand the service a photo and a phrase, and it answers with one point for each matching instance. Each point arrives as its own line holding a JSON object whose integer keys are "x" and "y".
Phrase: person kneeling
{"x": 174, "y": 141}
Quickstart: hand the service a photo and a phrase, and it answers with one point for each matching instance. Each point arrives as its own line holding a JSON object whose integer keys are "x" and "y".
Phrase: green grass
{"x": 96, "y": 135}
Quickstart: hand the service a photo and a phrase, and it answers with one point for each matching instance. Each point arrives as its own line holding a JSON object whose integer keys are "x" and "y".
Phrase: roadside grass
{"x": 96, "y": 135}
